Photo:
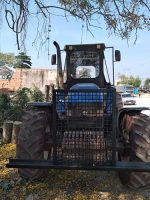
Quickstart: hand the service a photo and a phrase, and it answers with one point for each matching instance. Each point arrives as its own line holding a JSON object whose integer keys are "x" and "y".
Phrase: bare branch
{"x": 40, "y": 7}
{"x": 122, "y": 18}
{"x": 12, "y": 17}
{"x": 145, "y": 5}
{"x": 64, "y": 9}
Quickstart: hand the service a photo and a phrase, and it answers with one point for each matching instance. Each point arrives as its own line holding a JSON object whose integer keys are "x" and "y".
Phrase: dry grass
{"x": 63, "y": 184}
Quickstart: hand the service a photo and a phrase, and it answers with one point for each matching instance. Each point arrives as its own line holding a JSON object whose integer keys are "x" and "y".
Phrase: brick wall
{"x": 28, "y": 78}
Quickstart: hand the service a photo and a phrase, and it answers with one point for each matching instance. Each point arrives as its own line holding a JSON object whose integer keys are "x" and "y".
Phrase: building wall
{"x": 28, "y": 78}
{"x": 38, "y": 77}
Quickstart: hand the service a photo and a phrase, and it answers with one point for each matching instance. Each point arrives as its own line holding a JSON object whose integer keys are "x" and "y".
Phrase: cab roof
{"x": 81, "y": 47}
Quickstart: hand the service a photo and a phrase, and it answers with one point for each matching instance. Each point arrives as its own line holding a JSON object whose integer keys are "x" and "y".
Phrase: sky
{"x": 135, "y": 58}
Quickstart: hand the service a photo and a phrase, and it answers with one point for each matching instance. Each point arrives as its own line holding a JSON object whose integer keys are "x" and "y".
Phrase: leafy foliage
{"x": 23, "y": 61}
{"x": 130, "y": 80}
{"x": 37, "y": 95}
{"x": 4, "y": 101}
{"x": 14, "y": 113}
{"x": 4, "y": 105}
{"x": 13, "y": 108}
{"x": 123, "y": 18}
{"x": 8, "y": 110}
{"x": 21, "y": 97}
{"x": 147, "y": 83}
{"x": 7, "y": 58}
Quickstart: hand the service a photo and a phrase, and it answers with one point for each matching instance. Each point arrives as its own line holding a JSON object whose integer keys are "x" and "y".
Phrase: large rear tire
{"x": 137, "y": 130}
{"x": 31, "y": 142}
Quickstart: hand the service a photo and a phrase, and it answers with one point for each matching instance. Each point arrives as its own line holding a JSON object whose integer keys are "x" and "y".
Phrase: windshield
{"x": 84, "y": 64}
{"x": 126, "y": 95}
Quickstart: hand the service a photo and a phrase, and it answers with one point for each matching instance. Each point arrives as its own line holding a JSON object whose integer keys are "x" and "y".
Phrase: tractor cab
{"x": 84, "y": 63}
{"x": 84, "y": 108}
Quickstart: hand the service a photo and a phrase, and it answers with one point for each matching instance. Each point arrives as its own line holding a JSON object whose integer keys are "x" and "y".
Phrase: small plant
{"x": 4, "y": 105}
{"x": 37, "y": 95}
{"x": 4, "y": 101}
{"x": 21, "y": 97}
{"x": 14, "y": 113}
{"x": 14, "y": 108}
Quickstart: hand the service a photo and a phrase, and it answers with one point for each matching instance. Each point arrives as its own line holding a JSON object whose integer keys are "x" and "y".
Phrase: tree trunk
{"x": 47, "y": 88}
{"x": 7, "y": 131}
{"x": 51, "y": 91}
{"x": 15, "y": 132}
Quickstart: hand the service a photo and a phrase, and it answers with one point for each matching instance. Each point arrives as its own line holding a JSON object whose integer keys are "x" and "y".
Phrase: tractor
{"x": 85, "y": 126}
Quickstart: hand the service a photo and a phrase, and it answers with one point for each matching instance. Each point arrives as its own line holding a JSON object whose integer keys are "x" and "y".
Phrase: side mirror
{"x": 117, "y": 55}
{"x": 53, "y": 59}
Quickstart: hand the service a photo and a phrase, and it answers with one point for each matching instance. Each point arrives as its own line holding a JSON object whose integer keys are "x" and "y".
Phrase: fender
{"x": 40, "y": 104}
{"x": 128, "y": 110}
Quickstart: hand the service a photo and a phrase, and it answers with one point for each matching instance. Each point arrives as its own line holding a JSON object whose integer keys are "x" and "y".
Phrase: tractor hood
{"x": 84, "y": 86}
{"x": 81, "y": 95}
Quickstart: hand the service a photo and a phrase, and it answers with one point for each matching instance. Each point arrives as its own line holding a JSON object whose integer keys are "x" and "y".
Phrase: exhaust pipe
{"x": 59, "y": 66}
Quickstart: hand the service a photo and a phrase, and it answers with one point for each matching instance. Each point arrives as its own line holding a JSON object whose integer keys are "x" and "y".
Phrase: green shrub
{"x": 14, "y": 108}
{"x": 37, "y": 95}
{"x": 4, "y": 101}
{"x": 21, "y": 97}
{"x": 4, "y": 105}
{"x": 14, "y": 113}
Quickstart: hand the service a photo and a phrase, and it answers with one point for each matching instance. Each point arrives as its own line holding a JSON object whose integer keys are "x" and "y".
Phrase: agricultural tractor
{"x": 85, "y": 126}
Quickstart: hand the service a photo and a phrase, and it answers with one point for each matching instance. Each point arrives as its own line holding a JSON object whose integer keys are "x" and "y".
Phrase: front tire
{"x": 31, "y": 142}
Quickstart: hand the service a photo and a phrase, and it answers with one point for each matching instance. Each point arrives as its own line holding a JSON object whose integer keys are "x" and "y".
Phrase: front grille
{"x": 83, "y": 129}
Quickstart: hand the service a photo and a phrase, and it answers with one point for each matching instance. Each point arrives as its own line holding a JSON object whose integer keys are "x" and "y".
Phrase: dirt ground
{"x": 63, "y": 184}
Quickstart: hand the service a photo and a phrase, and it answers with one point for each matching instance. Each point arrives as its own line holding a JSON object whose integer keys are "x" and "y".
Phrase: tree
{"x": 84, "y": 73}
{"x": 130, "y": 80}
{"x": 147, "y": 83}
{"x": 23, "y": 61}
{"x": 123, "y": 79}
{"x": 7, "y": 58}
{"x": 123, "y": 18}
{"x": 137, "y": 82}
